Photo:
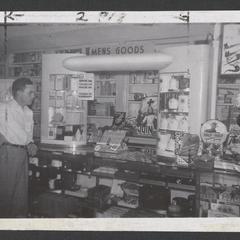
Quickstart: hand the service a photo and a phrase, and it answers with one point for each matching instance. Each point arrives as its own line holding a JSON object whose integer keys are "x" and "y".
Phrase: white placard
{"x": 86, "y": 87}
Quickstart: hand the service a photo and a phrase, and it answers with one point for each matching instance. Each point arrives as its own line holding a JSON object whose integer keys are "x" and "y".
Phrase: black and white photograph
{"x": 118, "y": 116}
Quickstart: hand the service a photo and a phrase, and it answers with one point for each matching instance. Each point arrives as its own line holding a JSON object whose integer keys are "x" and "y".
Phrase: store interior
{"x": 130, "y": 120}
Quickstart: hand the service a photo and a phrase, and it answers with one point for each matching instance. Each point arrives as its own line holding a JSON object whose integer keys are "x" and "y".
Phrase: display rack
{"x": 173, "y": 110}
{"x": 102, "y": 108}
{"x": 58, "y": 173}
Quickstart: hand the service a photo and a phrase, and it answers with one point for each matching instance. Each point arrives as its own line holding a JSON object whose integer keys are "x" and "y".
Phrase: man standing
{"x": 16, "y": 144}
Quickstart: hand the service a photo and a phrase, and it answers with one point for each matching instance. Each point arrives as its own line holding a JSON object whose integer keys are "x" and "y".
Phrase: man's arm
{"x": 2, "y": 123}
{"x": 2, "y": 139}
{"x": 32, "y": 149}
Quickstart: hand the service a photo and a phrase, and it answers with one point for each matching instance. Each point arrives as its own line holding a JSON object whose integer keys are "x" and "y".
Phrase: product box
{"x": 52, "y": 82}
{"x": 52, "y": 98}
{"x": 59, "y": 99}
{"x": 59, "y": 82}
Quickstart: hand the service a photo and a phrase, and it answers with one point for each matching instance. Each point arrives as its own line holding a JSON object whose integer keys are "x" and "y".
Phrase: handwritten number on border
{"x": 81, "y": 17}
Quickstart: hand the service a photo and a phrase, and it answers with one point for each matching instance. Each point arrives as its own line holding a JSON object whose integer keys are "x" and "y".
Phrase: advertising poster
{"x": 231, "y": 49}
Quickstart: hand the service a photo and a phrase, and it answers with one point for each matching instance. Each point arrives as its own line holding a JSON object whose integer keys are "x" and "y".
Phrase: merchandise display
{"x": 65, "y": 110}
{"x": 132, "y": 121}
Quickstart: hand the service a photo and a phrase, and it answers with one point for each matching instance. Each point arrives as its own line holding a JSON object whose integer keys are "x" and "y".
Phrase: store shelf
{"x": 105, "y": 79}
{"x": 154, "y": 84}
{"x": 182, "y": 187}
{"x": 174, "y": 91}
{"x": 224, "y": 104}
{"x": 23, "y": 63}
{"x": 74, "y": 111}
{"x": 135, "y": 101}
{"x": 152, "y": 182}
{"x": 105, "y": 96}
{"x": 152, "y": 95}
{"x": 175, "y": 112}
{"x": 170, "y": 130}
{"x": 228, "y": 84}
{"x": 94, "y": 116}
{"x": 29, "y": 76}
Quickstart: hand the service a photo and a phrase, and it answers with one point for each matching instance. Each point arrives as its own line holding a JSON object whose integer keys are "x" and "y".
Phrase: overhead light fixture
{"x": 136, "y": 62}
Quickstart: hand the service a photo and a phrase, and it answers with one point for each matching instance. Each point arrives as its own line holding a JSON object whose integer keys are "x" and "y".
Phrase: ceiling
{"x": 30, "y": 36}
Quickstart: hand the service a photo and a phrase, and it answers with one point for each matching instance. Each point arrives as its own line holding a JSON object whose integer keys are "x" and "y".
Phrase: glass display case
{"x": 64, "y": 100}
{"x": 174, "y": 104}
{"x": 182, "y": 98}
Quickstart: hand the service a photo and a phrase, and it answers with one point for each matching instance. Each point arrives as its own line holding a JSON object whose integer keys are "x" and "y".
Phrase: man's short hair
{"x": 20, "y": 84}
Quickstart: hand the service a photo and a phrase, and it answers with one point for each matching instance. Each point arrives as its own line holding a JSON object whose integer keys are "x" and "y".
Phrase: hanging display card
{"x": 213, "y": 132}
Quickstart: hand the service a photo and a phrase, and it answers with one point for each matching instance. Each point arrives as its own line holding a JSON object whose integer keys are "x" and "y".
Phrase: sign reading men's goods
{"x": 111, "y": 49}
{"x": 114, "y": 50}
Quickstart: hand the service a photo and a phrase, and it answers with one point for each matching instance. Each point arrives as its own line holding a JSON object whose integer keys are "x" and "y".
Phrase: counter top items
{"x": 204, "y": 162}
{"x": 119, "y": 120}
{"x": 213, "y": 134}
{"x": 189, "y": 145}
{"x": 111, "y": 141}
{"x": 233, "y": 141}
{"x": 226, "y": 165}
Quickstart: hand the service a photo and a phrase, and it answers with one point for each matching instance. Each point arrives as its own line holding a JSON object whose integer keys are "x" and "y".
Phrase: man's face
{"x": 27, "y": 95}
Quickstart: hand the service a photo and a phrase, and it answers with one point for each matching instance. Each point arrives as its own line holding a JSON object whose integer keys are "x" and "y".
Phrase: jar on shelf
{"x": 183, "y": 103}
{"x": 172, "y": 123}
{"x": 173, "y": 103}
{"x": 163, "y": 121}
{"x": 174, "y": 83}
{"x": 164, "y": 82}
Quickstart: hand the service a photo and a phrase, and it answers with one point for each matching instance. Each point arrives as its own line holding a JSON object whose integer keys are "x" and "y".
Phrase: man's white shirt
{"x": 16, "y": 123}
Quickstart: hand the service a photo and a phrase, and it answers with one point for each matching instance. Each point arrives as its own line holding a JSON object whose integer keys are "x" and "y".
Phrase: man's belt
{"x": 14, "y": 145}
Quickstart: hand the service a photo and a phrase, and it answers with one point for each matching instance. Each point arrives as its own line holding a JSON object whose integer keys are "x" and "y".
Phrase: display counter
{"x": 58, "y": 173}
